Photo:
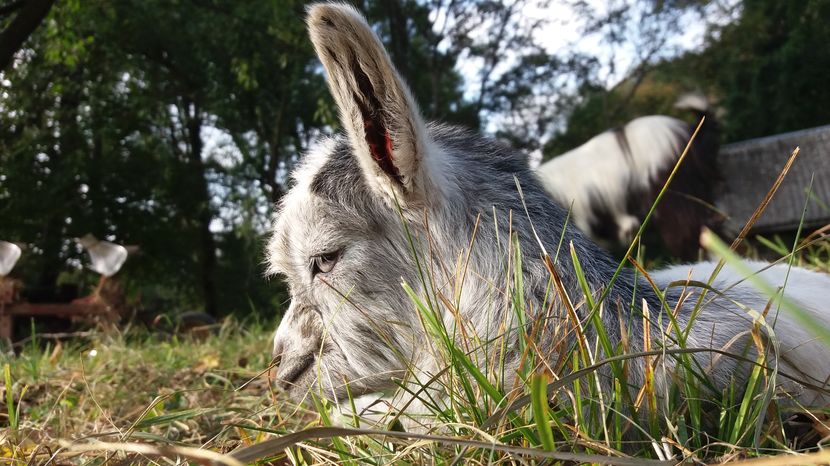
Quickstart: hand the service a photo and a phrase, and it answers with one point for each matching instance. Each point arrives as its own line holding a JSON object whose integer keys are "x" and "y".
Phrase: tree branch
{"x": 31, "y": 14}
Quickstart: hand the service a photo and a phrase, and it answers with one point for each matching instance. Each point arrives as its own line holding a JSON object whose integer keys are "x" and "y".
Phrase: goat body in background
{"x": 613, "y": 179}
{"x": 398, "y": 201}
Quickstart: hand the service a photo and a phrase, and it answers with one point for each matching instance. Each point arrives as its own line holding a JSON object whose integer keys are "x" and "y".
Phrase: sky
{"x": 564, "y": 33}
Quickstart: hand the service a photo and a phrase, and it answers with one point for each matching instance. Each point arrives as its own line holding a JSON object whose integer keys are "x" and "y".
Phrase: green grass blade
{"x": 541, "y": 410}
{"x": 168, "y": 418}
{"x": 7, "y": 376}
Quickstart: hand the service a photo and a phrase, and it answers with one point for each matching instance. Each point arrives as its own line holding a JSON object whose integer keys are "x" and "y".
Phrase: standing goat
{"x": 614, "y": 178}
{"x": 394, "y": 200}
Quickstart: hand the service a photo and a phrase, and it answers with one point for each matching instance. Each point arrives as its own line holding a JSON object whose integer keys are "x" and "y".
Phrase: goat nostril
{"x": 276, "y": 359}
{"x": 292, "y": 370}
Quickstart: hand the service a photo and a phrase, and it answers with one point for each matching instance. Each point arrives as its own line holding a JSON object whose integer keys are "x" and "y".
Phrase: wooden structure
{"x": 105, "y": 305}
{"x": 94, "y": 307}
{"x": 749, "y": 169}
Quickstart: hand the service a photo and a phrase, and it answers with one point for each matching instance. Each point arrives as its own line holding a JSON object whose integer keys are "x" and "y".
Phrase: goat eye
{"x": 324, "y": 263}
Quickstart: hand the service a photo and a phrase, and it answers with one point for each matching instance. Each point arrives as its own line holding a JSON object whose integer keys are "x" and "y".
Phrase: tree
{"x": 771, "y": 67}
{"x": 109, "y": 108}
{"x": 759, "y": 61}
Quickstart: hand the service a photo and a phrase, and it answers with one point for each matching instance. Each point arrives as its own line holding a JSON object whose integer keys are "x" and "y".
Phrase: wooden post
{"x": 6, "y": 297}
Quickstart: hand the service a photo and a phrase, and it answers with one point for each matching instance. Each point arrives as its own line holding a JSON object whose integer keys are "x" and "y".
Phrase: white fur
{"x": 801, "y": 353}
{"x": 600, "y": 167}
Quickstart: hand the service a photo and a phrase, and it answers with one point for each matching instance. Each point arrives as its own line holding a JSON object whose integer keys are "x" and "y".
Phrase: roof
{"x": 749, "y": 169}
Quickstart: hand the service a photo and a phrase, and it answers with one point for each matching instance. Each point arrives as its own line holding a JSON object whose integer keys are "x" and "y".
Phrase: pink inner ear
{"x": 380, "y": 146}
{"x": 375, "y": 131}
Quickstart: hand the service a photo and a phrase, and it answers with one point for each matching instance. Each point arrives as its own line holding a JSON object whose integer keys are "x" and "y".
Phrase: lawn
{"x": 137, "y": 387}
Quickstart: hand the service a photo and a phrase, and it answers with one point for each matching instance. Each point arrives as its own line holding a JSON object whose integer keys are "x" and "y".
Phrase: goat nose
{"x": 289, "y": 363}
{"x": 296, "y": 344}
{"x": 291, "y": 369}
{"x": 276, "y": 358}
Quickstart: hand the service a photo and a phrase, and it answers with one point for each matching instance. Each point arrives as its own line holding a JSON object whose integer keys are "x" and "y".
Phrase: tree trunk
{"x": 398, "y": 36}
{"x": 275, "y": 145}
{"x": 60, "y": 185}
{"x": 203, "y": 210}
{"x": 98, "y": 219}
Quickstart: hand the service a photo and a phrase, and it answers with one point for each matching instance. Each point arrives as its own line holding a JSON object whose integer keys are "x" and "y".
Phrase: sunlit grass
{"x": 212, "y": 394}
{"x": 135, "y": 397}
{"x": 138, "y": 387}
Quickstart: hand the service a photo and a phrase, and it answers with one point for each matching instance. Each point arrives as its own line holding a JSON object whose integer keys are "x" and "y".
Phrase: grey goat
{"x": 396, "y": 201}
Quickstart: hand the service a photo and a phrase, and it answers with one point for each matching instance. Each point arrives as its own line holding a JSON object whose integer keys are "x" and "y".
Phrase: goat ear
{"x": 377, "y": 110}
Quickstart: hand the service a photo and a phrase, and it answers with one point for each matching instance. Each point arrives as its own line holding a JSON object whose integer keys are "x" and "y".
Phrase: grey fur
{"x": 357, "y": 322}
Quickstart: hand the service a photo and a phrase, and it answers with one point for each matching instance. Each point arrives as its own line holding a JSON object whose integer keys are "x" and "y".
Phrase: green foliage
{"x": 765, "y": 70}
{"x": 106, "y": 104}
{"x": 10, "y": 405}
{"x": 771, "y": 67}
{"x": 172, "y": 126}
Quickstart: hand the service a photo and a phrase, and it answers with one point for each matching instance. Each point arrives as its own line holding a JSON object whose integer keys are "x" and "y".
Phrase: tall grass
{"x": 141, "y": 398}
{"x": 174, "y": 393}
{"x": 578, "y": 408}
{"x": 560, "y": 413}
{"x": 582, "y": 407}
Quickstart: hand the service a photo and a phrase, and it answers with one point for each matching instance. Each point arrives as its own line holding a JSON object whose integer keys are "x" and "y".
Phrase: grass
{"x": 137, "y": 387}
{"x": 133, "y": 397}
{"x": 101, "y": 399}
